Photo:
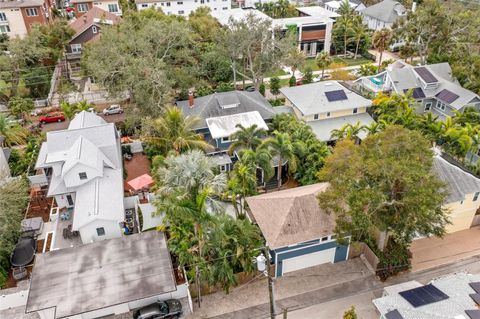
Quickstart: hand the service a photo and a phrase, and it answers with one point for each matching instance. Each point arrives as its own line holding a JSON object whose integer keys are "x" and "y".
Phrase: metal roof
{"x": 224, "y": 126}
{"x": 386, "y": 11}
{"x": 102, "y": 274}
{"x": 323, "y": 128}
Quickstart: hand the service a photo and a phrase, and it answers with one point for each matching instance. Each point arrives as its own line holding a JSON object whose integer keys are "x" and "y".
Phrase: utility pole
{"x": 271, "y": 286}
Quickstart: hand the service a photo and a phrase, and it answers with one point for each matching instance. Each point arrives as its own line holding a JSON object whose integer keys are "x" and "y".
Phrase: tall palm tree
{"x": 12, "y": 132}
{"x": 246, "y": 137}
{"x": 83, "y": 106}
{"x": 381, "y": 40}
{"x": 348, "y": 131}
{"x": 359, "y": 31}
{"x": 281, "y": 146}
{"x": 259, "y": 158}
{"x": 323, "y": 60}
{"x": 345, "y": 23}
{"x": 242, "y": 183}
{"x": 295, "y": 59}
{"x": 67, "y": 109}
{"x": 174, "y": 131}
{"x": 374, "y": 128}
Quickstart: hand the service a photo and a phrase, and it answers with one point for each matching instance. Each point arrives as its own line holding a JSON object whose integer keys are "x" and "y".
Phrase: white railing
{"x": 367, "y": 82}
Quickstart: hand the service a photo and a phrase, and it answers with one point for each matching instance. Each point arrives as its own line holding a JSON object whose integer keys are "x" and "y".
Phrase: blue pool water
{"x": 376, "y": 81}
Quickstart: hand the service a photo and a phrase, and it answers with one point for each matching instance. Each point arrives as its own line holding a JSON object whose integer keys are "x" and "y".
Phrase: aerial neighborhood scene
{"x": 301, "y": 159}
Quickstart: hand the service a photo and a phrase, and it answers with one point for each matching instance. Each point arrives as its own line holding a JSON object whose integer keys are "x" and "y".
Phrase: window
{"x": 4, "y": 28}
{"x": 76, "y": 48}
{"x": 100, "y": 231}
{"x": 224, "y": 8}
{"x": 32, "y": 12}
{"x": 82, "y": 175}
{"x": 202, "y": 1}
{"x": 144, "y": 5}
{"x": 94, "y": 29}
{"x": 3, "y": 17}
{"x": 223, "y": 168}
{"x": 315, "y": 117}
{"x": 168, "y": 4}
{"x": 324, "y": 238}
{"x": 179, "y": 2}
{"x": 225, "y": 139}
{"x": 328, "y": 114}
{"x": 428, "y": 106}
{"x": 82, "y": 7}
{"x": 181, "y": 12}
{"x": 355, "y": 111}
{"x": 475, "y": 197}
{"x": 333, "y": 237}
{"x": 441, "y": 106}
{"x": 70, "y": 200}
{"x": 113, "y": 7}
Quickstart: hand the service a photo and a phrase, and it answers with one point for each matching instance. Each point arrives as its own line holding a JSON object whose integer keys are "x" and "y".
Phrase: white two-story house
{"x": 184, "y": 7}
{"x": 83, "y": 166}
{"x": 326, "y": 106}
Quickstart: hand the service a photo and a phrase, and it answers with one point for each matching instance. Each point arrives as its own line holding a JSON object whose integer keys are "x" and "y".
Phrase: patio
{"x": 137, "y": 166}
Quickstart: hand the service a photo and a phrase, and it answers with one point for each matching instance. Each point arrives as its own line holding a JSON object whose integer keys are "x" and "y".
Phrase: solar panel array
{"x": 417, "y": 93}
{"x": 423, "y": 295}
{"x": 473, "y": 314}
{"x": 394, "y": 314}
{"x": 426, "y": 75}
{"x": 447, "y": 96}
{"x": 476, "y": 298}
{"x": 337, "y": 95}
{"x": 475, "y": 286}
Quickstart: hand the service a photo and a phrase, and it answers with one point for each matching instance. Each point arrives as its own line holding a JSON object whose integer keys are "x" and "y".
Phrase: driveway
{"x": 432, "y": 252}
{"x": 63, "y": 125}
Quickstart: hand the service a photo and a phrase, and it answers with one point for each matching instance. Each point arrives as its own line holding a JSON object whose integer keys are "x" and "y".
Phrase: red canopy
{"x": 141, "y": 182}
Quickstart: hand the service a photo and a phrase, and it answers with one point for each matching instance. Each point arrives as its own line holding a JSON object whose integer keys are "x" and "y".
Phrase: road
{"x": 47, "y": 127}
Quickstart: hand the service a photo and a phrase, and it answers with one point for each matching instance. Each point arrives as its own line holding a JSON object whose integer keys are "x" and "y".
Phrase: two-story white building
{"x": 183, "y": 7}
{"x": 83, "y": 167}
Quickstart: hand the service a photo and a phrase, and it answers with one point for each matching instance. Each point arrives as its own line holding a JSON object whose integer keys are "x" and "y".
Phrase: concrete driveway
{"x": 432, "y": 252}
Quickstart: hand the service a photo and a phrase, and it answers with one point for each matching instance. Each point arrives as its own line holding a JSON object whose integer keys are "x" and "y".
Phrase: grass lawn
{"x": 278, "y": 72}
{"x": 310, "y": 62}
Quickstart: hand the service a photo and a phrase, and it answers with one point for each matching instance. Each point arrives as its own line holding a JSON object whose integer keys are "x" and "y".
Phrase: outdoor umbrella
{"x": 24, "y": 252}
{"x": 141, "y": 182}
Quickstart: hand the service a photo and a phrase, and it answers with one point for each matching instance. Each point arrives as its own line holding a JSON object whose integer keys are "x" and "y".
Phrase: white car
{"x": 326, "y": 76}
{"x": 112, "y": 109}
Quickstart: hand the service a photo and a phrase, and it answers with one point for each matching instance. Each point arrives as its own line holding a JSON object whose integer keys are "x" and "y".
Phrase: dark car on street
{"x": 167, "y": 309}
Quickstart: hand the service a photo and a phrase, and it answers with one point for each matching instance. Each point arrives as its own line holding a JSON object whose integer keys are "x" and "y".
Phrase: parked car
{"x": 52, "y": 117}
{"x": 326, "y": 76}
{"x": 112, "y": 109}
{"x": 250, "y": 89}
{"x": 171, "y": 308}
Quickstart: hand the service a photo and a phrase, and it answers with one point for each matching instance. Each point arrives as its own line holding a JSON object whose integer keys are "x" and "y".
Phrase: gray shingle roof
{"x": 459, "y": 182}
{"x": 210, "y": 106}
{"x": 386, "y": 11}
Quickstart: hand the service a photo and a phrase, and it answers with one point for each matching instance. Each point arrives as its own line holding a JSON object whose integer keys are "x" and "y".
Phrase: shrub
{"x": 292, "y": 81}
{"x": 350, "y": 313}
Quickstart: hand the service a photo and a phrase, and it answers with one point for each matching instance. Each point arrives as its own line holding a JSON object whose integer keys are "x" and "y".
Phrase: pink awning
{"x": 141, "y": 182}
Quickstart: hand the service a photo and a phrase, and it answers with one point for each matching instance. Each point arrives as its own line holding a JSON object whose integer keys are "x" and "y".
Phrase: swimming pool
{"x": 377, "y": 81}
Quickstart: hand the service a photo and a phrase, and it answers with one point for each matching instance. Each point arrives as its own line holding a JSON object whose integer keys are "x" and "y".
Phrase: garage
{"x": 309, "y": 260}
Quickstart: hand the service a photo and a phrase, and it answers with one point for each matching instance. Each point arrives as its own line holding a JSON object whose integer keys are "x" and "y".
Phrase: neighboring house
{"x": 383, "y": 14}
{"x": 315, "y": 11}
{"x": 463, "y": 201}
{"x": 327, "y": 105}
{"x": 454, "y": 296}
{"x": 83, "y": 6}
{"x": 433, "y": 86}
{"x": 334, "y": 5}
{"x": 87, "y": 28}
{"x": 185, "y": 7}
{"x": 297, "y": 231}
{"x": 314, "y": 32}
{"x": 84, "y": 168}
{"x": 104, "y": 279}
{"x": 17, "y": 17}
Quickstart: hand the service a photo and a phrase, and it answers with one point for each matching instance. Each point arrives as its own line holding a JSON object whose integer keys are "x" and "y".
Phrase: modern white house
{"x": 383, "y": 14}
{"x": 334, "y": 5}
{"x": 83, "y": 168}
{"x": 184, "y": 7}
{"x": 326, "y": 106}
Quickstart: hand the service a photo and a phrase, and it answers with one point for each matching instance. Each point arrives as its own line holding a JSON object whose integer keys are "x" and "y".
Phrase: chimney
{"x": 414, "y": 6}
{"x": 190, "y": 99}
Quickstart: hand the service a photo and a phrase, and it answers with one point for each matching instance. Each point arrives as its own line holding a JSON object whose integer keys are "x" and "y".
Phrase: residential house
{"x": 105, "y": 279}
{"x": 83, "y": 6}
{"x": 433, "y": 86}
{"x": 83, "y": 167}
{"x": 315, "y": 11}
{"x": 451, "y": 296}
{"x": 327, "y": 105}
{"x": 334, "y": 5}
{"x": 463, "y": 189}
{"x": 185, "y": 7}
{"x": 314, "y": 32}
{"x": 17, "y": 17}
{"x": 297, "y": 231}
{"x": 87, "y": 28}
{"x": 383, "y": 14}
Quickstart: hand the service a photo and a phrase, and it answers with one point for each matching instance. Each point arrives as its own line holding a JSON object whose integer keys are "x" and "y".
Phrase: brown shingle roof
{"x": 291, "y": 216}
{"x": 88, "y": 19}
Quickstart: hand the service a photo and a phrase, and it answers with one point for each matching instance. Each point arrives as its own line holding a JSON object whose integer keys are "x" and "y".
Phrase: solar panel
{"x": 475, "y": 286}
{"x": 417, "y": 93}
{"x": 473, "y": 314}
{"x": 476, "y": 298}
{"x": 394, "y": 314}
{"x": 337, "y": 95}
{"x": 423, "y": 295}
{"x": 447, "y": 96}
{"x": 426, "y": 75}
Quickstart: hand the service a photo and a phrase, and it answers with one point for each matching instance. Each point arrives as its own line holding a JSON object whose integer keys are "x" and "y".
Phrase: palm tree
{"x": 83, "y": 106}
{"x": 374, "y": 128}
{"x": 323, "y": 60}
{"x": 360, "y": 31}
{"x": 242, "y": 183}
{"x": 174, "y": 131}
{"x": 260, "y": 158}
{"x": 345, "y": 23}
{"x": 348, "y": 131}
{"x": 381, "y": 40}
{"x": 295, "y": 59}
{"x": 12, "y": 132}
{"x": 67, "y": 109}
{"x": 282, "y": 147}
{"x": 246, "y": 137}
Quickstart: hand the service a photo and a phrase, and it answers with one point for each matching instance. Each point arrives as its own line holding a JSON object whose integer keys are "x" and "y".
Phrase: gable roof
{"x": 291, "y": 216}
{"x": 94, "y": 16}
{"x": 386, "y": 11}
{"x": 459, "y": 182}
{"x": 85, "y": 119}
{"x": 211, "y": 105}
{"x": 312, "y": 98}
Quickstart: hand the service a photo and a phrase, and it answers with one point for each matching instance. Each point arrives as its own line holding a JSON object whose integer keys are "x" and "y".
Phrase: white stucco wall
{"x": 15, "y": 22}
{"x": 187, "y": 6}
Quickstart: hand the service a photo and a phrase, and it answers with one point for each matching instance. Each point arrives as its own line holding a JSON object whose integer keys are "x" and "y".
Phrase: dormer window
{"x": 82, "y": 175}
{"x": 94, "y": 29}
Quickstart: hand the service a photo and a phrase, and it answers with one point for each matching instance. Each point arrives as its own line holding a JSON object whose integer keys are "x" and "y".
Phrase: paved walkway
{"x": 433, "y": 252}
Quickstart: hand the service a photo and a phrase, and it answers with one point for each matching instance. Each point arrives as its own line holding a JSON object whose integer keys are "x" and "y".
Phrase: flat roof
{"x": 102, "y": 274}
{"x": 224, "y": 126}
{"x": 323, "y": 128}
{"x": 317, "y": 11}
